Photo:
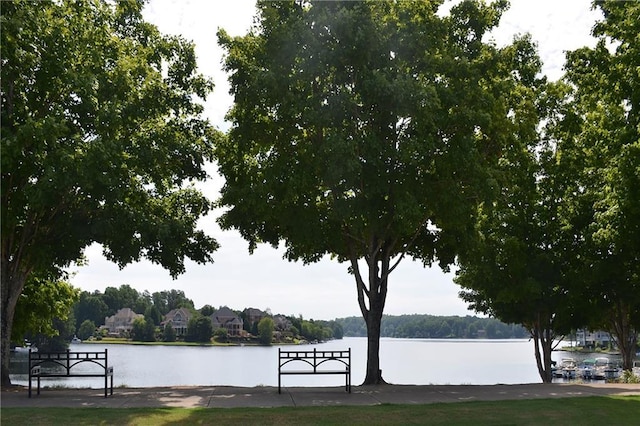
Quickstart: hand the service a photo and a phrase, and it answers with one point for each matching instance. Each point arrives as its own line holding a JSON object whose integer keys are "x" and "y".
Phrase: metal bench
{"x": 61, "y": 364}
{"x": 315, "y": 362}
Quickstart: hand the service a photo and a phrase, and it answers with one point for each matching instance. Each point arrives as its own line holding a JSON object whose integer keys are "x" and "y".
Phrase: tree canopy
{"x": 518, "y": 268}
{"x": 435, "y": 327}
{"x": 102, "y": 141}
{"x": 42, "y": 300}
{"x": 199, "y": 329}
{"x": 367, "y": 131}
{"x": 560, "y": 248}
{"x": 598, "y": 134}
{"x": 265, "y": 330}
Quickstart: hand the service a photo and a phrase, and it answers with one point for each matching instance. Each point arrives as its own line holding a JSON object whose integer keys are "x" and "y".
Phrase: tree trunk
{"x": 374, "y": 373}
{"x": 371, "y": 299}
{"x": 625, "y": 336}
{"x": 543, "y": 339}
{"x": 7, "y": 323}
{"x": 12, "y": 284}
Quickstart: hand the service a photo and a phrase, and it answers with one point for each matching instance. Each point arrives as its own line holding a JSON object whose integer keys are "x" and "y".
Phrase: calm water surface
{"x": 403, "y": 361}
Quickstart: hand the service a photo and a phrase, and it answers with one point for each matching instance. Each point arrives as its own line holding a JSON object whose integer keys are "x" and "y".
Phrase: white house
{"x": 593, "y": 338}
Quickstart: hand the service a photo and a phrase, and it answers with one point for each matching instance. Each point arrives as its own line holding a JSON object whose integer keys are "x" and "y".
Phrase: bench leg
{"x": 279, "y": 381}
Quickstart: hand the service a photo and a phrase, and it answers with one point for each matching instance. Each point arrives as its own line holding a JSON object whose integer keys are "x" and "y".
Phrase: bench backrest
{"x": 67, "y": 359}
{"x": 314, "y": 358}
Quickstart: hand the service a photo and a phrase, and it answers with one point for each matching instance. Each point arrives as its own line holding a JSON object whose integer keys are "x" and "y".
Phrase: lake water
{"x": 403, "y": 361}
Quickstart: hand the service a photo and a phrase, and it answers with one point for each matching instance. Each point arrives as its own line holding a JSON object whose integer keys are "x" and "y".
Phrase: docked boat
{"x": 567, "y": 369}
{"x": 25, "y": 348}
{"x": 600, "y": 365}
{"x": 587, "y": 369}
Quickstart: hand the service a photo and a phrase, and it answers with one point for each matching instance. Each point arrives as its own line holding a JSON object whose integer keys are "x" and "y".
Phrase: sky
{"x": 265, "y": 280}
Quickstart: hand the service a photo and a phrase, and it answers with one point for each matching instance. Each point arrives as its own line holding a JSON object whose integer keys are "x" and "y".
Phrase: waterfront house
{"x": 587, "y": 338}
{"x": 121, "y": 322}
{"x": 227, "y": 319}
{"x": 179, "y": 320}
{"x": 282, "y": 323}
{"x": 253, "y": 316}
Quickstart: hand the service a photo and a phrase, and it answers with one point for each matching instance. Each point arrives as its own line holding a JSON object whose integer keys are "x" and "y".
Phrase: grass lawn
{"x": 563, "y": 411}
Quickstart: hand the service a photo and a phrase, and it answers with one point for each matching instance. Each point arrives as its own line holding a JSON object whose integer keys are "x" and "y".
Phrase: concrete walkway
{"x": 228, "y": 397}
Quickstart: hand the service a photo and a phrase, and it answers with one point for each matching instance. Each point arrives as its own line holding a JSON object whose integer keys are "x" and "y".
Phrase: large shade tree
{"x": 519, "y": 269}
{"x": 101, "y": 141}
{"x": 367, "y": 131}
{"x": 599, "y": 135}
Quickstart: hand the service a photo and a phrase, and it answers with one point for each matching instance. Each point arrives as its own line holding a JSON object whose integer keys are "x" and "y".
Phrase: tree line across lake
{"x": 85, "y": 312}
{"x": 88, "y": 313}
{"x": 436, "y": 327}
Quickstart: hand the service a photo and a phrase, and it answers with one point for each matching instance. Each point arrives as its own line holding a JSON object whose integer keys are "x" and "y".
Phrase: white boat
{"x": 600, "y": 366}
{"x": 25, "y": 348}
{"x": 587, "y": 369}
{"x": 568, "y": 368}
{"x": 76, "y": 340}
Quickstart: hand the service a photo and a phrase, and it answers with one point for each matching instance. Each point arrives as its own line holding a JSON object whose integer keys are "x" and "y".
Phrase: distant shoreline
{"x": 182, "y": 343}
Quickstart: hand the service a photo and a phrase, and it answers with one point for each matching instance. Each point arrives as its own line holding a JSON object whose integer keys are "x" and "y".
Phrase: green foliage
{"x": 368, "y": 131}
{"x": 57, "y": 340}
{"x": 90, "y": 307}
{"x": 368, "y": 144}
{"x": 337, "y": 331}
{"x": 199, "y": 329}
{"x": 86, "y": 330}
{"x": 107, "y": 136}
{"x": 143, "y": 330}
{"x": 265, "y": 330}
{"x": 102, "y": 141}
{"x": 221, "y": 335}
{"x": 316, "y": 330}
{"x": 168, "y": 300}
{"x": 598, "y": 136}
{"x": 122, "y": 297}
{"x": 207, "y": 310}
{"x": 142, "y": 302}
{"x": 42, "y": 301}
{"x": 168, "y": 334}
{"x": 628, "y": 376}
{"x": 152, "y": 315}
{"x": 431, "y": 327}
{"x": 519, "y": 269}
{"x": 559, "y": 248}
{"x": 96, "y": 306}
{"x": 294, "y": 330}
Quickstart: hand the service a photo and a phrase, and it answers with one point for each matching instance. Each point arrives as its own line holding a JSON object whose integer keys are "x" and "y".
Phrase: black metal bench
{"x": 315, "y": 362}
{"x": 61, "y": 364}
